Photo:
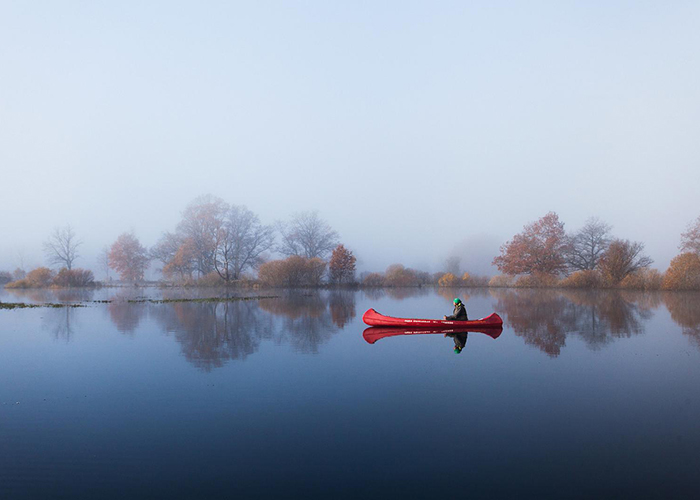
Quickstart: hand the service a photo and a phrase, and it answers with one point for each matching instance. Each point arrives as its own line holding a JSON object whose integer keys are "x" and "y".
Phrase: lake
{"x": 583, "y": 394}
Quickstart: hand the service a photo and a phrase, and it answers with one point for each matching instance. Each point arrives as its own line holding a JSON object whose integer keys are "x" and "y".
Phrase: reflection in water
{"x": 685, "y": 311}
{"x": 61, "y": 322}
{"x": 306, "y": 321}
{"x": 211, "y": 333}
{"x": 126, "y": 316}
{"x": 398, "y": 293}
{"x": 545, "y": 317}
{"x": 537, "y": 317}
{"x": 460, "y": 340}
{"x": 464, "y": 294}
{"x": 375, "y": 333}
{"x": 342, "y": 307}
{"x": 51, "y": 295}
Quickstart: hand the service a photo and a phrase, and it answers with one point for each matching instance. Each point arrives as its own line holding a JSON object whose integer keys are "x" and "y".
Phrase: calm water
{"x": 582, "y": 395}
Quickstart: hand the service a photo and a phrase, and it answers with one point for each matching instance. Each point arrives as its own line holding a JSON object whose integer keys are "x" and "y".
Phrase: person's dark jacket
{"x": 459, "y": 314}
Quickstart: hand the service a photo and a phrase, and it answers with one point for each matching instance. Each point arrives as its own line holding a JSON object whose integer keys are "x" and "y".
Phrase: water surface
{"x": 582, "y": 395}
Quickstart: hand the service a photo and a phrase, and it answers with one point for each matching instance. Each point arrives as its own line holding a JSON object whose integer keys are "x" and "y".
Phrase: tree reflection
{"x": 401, "y": 293}
{"x": 52, "y": 295}
{"x": 61, "y": 321}
{"x": 464, "y": 293}
{"x": 544, "y": 318}
{"x": 599, "y": 317}
{"x": 306, "y": 321}
{"x": 342, "y": 307}
{"x": 685, "y": 312}
{"x": 125, "y": 315}
{"x": 374, "y": 293}
{"x": 539, "y": 317}
{"x": 210, "y": 334}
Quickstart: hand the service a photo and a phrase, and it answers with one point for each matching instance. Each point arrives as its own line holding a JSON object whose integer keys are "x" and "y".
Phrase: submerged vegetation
{"x": 22, "y": 305}
{"x": 207, "y": 299}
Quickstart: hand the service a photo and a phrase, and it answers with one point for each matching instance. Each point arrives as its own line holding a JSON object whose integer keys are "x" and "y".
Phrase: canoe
{"x": 374, "y": 333}
{"x": 373, "y": 318}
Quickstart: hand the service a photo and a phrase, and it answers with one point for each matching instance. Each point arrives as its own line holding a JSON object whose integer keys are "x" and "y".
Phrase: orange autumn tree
{"x": 292, "y": 271}
{"x": 128, "y": 257}
{"x": 342, "y": 265}
{"x": 622, "y": 258}
{"x": 683, "y": 273}
{"x": 540, "y": 248}
{"x": 182, "y": 263}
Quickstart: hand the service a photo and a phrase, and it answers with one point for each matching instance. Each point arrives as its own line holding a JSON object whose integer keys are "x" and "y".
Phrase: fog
{"x": 418, "y": 130}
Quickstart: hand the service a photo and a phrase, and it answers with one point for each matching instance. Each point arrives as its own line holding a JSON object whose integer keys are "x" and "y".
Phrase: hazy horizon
{"x": 418, "y": 131}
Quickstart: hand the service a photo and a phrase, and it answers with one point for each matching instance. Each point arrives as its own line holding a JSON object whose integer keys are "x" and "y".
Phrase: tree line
{"x": 214, "y": 243}
{"x": 220, "y": 243}
{"x": 544, "y": 254}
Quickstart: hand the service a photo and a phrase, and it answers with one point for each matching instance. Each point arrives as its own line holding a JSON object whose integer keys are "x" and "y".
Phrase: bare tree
{"x": 307, "y": 235}
{"x": 167, "y": 247}
{"x": 103, "y": 262}
{"x": 61, "y": 247}
{"x": 588, "y": 245}
{"x": 240, "y": 241}
{"x": 20, "y": 255}
{"x": 201, "y": 221}
{"x": 452, "y": 265}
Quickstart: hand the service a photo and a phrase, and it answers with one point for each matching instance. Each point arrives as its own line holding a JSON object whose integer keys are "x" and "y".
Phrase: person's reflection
{"x": 460, "y": 340}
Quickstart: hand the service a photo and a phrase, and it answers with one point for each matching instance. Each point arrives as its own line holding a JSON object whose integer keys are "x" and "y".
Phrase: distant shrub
{"x": 422, "y": 278}
{"x": 643, "y": 279}
{"x": 38, "y": 278}
{"x": 537, "y": 280}
{"x": 582, "y": 279}
{"x": 683, "y": 273}
{"x": 447, "y": 279}
{"x": 5, "y": 277}
{"x": 501, "y": 281}
{"x": 74, "y": 278}
{"x": 398, "y": 275}
{"x": 292, "y": 271}
{"x": 474, "y": 280}
{"x": 210, "y": 279}
{"x": 373, "y": 279}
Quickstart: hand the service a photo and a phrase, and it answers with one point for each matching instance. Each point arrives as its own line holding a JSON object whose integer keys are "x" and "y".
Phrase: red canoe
{"x": 373, "y": 318}
{"x": 374, "y": 333}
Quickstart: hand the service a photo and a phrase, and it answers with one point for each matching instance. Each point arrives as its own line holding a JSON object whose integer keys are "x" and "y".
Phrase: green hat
{"x": 457, "y": 301}
{"x": 458, "y": 350}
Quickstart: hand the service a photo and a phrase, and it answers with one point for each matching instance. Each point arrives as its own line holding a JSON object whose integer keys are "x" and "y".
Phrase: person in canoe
{"x": 459, "y": 313}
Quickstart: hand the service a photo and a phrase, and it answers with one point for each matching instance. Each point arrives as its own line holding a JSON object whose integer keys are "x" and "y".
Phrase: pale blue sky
{"x": 413, "y": 127}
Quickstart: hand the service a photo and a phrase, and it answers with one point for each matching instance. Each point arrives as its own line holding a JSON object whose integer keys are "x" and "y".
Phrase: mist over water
{"x": 446, "y": 124}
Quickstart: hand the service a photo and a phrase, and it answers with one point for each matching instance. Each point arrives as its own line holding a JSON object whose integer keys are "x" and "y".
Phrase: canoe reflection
{"x": 374, "y": 333}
